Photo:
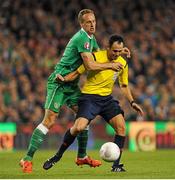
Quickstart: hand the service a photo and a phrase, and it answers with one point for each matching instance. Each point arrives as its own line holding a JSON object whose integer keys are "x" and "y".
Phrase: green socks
{"x": 82, "y": 143}
{"x": 36, "y": 140}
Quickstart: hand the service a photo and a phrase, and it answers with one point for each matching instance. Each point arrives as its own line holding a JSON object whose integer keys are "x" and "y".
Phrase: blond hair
{"x": 82, "y": 12}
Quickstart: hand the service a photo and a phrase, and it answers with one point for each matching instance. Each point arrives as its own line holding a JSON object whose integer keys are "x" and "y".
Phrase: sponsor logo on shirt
{"x": 87, "y": 45}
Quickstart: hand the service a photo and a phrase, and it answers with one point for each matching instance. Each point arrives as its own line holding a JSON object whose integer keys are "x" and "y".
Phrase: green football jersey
{"x": 59, "y": 93}
{"x": 71, "y": 59}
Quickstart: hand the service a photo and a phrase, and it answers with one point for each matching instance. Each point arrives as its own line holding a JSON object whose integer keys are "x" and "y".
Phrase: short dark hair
{"x": 113, "y": 38}
{"x": 82, "y": 12}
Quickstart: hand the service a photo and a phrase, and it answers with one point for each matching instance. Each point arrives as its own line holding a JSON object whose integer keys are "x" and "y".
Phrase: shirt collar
{"x": 90, "y": 37}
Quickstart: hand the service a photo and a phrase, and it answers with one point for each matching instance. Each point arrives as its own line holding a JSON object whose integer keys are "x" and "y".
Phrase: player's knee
{"x": 79, "y": 125}
{"x": 48, "y": 122}
{"x": 80, "y": 128}
{"x": 76, "y": 129}
{"x": 49, "y": 119}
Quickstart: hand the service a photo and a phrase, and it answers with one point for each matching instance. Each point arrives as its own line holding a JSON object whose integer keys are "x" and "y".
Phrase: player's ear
{"x": 81, "y": 25}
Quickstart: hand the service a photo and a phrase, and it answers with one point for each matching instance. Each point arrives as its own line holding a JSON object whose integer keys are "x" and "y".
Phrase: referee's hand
{"x": 136, "y": 107}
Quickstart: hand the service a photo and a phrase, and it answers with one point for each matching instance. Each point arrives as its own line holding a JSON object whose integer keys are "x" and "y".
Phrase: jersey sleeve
{"x": 123, "y": 76}
{"x": 81, "y": 69}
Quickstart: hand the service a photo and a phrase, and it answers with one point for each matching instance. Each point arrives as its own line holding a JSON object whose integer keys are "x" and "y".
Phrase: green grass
{"x": 158, "y": 164}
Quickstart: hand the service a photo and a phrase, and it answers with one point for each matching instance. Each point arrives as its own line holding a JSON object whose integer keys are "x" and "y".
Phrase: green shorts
{"x": 60, "y": 94}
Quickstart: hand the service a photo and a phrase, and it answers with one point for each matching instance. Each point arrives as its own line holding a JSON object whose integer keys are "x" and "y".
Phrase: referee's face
{"x": 115, "y": 50}
{"x": 89, "y": 23}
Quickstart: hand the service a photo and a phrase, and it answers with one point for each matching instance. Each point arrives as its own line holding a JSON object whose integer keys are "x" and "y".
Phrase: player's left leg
{"x": 114, "y": 115}
{"x": 118, "y": 123}
{"x": 82, "y": 157}
{"x": 82, "y": 137}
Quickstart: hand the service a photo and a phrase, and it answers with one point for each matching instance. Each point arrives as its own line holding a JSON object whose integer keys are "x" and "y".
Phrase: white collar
{"x": 90, "y": 37}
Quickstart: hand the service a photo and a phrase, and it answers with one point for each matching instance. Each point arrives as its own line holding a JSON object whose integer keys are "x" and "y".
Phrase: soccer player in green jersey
{"x": 77, "y": 51}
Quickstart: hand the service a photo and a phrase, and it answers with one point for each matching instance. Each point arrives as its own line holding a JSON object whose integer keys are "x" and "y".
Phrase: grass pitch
{"x": 153, "y": 165}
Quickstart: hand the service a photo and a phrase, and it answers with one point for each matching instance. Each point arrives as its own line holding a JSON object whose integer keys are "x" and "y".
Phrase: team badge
{"x": 56, "y": 105}
{"x": 87, "y": 45}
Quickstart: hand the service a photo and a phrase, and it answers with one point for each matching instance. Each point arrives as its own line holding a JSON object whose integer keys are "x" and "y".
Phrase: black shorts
{"x": 91, "y": 105}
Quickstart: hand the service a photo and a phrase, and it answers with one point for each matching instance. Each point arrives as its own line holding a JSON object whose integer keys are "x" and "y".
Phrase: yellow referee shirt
{"x": 102, "y": 82}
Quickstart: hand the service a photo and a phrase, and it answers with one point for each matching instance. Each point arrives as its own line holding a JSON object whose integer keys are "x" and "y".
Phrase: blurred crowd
{"x": 34, "y": 33}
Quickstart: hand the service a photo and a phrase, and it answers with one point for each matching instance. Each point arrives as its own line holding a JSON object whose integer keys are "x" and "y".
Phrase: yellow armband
{"x": 81, "y": 69}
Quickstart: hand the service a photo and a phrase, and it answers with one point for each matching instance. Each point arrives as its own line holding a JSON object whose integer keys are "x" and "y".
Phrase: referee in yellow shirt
{"x": 96, "y": 99}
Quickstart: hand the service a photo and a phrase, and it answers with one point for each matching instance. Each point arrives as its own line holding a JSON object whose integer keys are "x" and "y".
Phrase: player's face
{"x": 115, "y": 50}
{"x": 89, "y": 23}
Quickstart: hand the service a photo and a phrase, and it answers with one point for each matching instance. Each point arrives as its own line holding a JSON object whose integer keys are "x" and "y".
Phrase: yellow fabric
{"x": 102, "y": 82}
{"x": 81, "y": 69}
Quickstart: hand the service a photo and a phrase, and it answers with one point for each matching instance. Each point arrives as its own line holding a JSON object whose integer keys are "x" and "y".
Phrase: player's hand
{"x": 137, "y": 108}
{"x": 117, "y": 66}
{"x": 59, "y": 77}
{"x": 68, "y": 78}
{"x": 126, "y": 51}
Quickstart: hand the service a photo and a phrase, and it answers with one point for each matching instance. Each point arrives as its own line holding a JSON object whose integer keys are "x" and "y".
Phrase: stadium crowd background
{"x": 33, "y": 34}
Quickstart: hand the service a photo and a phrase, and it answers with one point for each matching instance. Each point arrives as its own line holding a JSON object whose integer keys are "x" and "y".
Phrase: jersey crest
{"x": 87, "y": 45}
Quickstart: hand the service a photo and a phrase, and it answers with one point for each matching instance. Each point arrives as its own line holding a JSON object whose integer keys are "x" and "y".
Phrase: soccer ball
{"x": 109, "y": 152}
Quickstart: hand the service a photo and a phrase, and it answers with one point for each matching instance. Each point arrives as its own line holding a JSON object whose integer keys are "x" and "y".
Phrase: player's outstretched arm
{"x": 91, "y": 64}
{"x": 69, "y": 77}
